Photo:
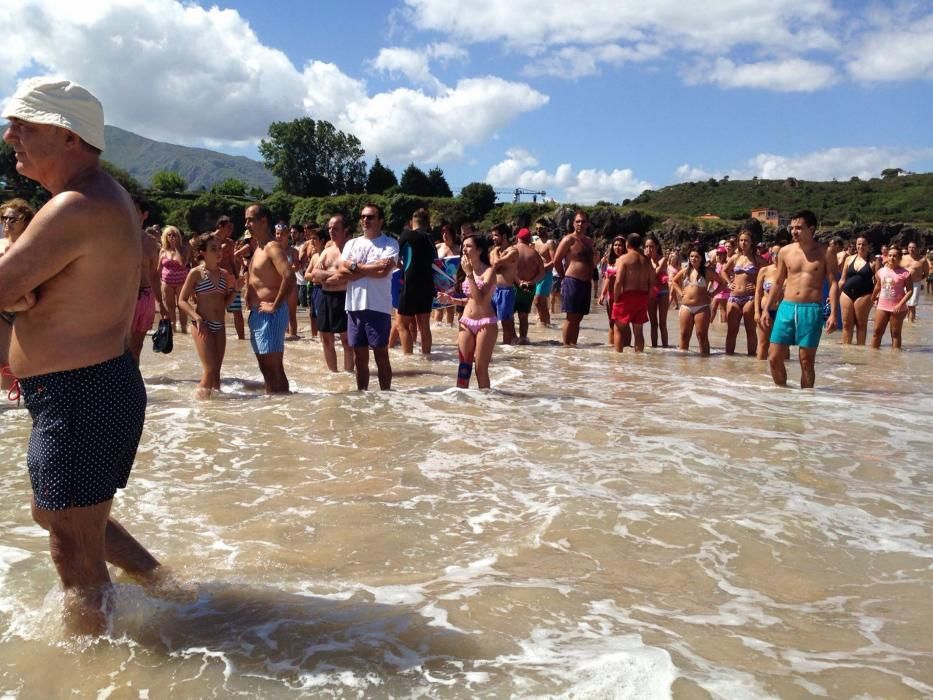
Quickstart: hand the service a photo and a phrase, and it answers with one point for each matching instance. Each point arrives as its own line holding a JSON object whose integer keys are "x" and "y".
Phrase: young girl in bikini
{"x": 207, "y": 292}
{"x": 479, "y": 326}
{"x": 893, "y": 287}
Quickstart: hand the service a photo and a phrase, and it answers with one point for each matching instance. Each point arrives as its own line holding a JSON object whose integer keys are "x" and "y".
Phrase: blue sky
{"x": 586, "y": 100}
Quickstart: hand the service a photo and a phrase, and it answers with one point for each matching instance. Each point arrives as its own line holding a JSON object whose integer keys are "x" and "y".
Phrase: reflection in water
{"x": 622, "y": 527}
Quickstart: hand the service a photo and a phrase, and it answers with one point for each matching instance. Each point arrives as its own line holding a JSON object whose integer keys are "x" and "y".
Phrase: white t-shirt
{"x": 373, "y": 293}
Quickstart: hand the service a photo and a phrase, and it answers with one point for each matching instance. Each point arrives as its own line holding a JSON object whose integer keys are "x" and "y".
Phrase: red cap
{"x": 524, "y": 234}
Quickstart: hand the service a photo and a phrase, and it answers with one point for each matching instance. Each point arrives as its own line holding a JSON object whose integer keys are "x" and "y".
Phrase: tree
{"x": 15, "y": 184}
{"x": 415, "y": 182}
{"x": 232, "y": 187}
{"x": 478, "y": 200}
{"x": 167, "y": 181}
{"x": 314, "y": 158}
{"x": 380, "y": 179}
{"x": 438, "y": 183}
{"x": 888, "y": 173}
{"x": 127, "y": 181}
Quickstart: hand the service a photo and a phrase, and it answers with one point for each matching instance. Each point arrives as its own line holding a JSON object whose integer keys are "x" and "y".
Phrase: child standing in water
{"x": 207, "y": 292}
{"x": 893, "y": 287}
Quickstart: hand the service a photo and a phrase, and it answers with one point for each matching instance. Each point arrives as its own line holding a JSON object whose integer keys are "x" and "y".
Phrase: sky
{"x": 586, "y": 100}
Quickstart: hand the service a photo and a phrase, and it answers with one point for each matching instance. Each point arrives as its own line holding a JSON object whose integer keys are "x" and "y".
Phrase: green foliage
{"x": 438, "y": 183}
{"x": 314, "y": 158}
{"x": 415, "y": 182}
{"x": 202, "y": 214}
{"x": 232, "y": 186}
{"x": 902, "y": 198}
{"x": 478, "y": 199}
{"x": 318, "y": 210}
{"x": 380, "y": 179}
{"x": 127, "y": 181}
{"x": 168, "y": 181}
{"x": 281, "y": 205}
{"x": 888, "y": 173}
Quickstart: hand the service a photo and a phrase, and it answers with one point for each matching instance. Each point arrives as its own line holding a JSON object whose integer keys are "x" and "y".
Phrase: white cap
{"x": 59, "y": 103}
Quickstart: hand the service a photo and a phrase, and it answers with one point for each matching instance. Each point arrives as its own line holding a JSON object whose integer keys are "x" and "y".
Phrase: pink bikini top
{"x": 465, "y": 287}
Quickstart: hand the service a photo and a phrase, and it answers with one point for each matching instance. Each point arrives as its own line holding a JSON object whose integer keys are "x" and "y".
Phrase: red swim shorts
{"x": 632, "y": 307}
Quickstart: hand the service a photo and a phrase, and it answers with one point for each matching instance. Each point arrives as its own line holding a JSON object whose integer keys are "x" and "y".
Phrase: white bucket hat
{"x": 59, "y": 103}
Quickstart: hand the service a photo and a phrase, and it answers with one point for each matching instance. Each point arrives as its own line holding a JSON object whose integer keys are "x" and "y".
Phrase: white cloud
{"x": 572, "y": 40}
{"x": 790, "y": 75}
{"x": 895, "y": 53}
{"x": 840, "y": 163}
{"x": 415, "y": 64}
{"x": 583, "y": 187}
{"x": 192, "y": 75}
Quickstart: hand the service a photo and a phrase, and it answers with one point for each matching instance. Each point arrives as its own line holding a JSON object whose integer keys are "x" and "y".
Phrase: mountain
{"x": 142, "y": 157}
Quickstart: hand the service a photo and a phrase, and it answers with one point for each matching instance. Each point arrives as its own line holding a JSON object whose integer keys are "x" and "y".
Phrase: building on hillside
{"x": 771, "y": 216}
{"x": 708, "y": 216}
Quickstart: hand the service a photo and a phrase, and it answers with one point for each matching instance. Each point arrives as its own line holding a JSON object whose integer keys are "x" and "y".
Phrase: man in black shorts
{"x": 332, "y": 316}
{"x": 66, "y": 279}
{"x": 414, "y": 306}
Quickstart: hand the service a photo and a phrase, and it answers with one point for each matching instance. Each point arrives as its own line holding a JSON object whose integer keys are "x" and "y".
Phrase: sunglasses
{"x": 367, "y": 217}
{"x": 10, "y": 219}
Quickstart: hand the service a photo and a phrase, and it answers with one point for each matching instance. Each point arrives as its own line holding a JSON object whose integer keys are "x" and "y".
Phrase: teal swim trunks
{"x": 798, "y": 324}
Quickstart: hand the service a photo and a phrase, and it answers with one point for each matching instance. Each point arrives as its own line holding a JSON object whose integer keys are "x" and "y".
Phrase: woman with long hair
{"x": 616, "y": 251}
{"x": 763, "y": 284}
{"x": 743, "y": 268}
{"x": 173, "y": 271}
{"x": 204, "y": 297}
{"x": 479, "y": 326}
{"x": 693, "y": 284}
{"x": 857, "y": 284}
{"x": 658, "y": 298}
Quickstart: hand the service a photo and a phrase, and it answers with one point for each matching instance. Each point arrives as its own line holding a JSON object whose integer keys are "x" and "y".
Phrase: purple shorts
{"x": 368, "y": 328}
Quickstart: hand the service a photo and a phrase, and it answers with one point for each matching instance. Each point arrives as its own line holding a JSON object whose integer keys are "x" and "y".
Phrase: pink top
{"x": 894, "y": 286}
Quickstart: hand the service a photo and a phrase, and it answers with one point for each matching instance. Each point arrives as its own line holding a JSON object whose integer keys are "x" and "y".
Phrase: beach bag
{"x": 162, "y": 338}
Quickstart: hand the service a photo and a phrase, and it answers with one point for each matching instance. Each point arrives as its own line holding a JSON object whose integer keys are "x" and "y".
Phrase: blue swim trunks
{"x": 267, "y": 330}
{"x": 86, "y": 425}
{"x": 798, "y": 324}
{"x": 543, "y": 288}
{"x": 503, "y": 301}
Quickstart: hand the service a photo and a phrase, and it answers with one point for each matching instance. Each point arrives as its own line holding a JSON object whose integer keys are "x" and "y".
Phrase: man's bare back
{"x": 634, "y": 273}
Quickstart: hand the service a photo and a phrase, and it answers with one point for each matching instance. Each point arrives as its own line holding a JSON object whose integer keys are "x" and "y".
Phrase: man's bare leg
{"x": 807, "y": 367}
{"x": 238, "y": 325}
{"x": 776, "y": 361}
{"x": 361, "y": 358}
{"x": 273, "y": 372}
{"x": 330, "y": 352}
{"x": 383, "y": 367}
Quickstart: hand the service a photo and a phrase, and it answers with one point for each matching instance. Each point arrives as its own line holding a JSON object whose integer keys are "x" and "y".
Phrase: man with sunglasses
{"x": 366, "y": 264}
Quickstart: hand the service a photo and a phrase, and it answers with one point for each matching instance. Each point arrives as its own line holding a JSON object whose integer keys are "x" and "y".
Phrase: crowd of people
{"x": 82, "y": 281}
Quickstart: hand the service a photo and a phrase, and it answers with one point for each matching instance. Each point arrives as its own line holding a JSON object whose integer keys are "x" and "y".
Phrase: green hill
{"x": 201, "y": 168}
{"x": 907, "y": 198}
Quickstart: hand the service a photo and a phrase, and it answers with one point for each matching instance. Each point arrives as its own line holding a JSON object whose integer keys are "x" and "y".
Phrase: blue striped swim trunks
{"x": 267, "y": 330}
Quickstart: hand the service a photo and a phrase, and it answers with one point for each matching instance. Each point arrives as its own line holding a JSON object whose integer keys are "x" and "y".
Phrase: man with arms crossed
{"x": 271, "y": 282}
{"x": 919, "y": 268}
{"x": 150, "y": 289}
{"x": 333, "y": 311}
{"x": 66, "y": 279}
{"x": 805, "y": 265}
{"x": 575, "y": 261}
{"x": 366, "y": 265}
{"x": 635, "y": 278}
{"x": 504, "y": 258}
{"x": 546, "y": 249}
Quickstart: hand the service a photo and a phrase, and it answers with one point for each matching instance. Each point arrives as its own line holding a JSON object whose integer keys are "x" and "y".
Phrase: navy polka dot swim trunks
{"x": 86, "y": 425}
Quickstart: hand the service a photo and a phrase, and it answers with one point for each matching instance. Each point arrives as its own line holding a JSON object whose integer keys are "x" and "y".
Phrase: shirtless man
{"x": 504, "y": 258}
{"x": 919, "y": 268}
{"x": 231, "y": 263}
{"x": 333, "y": 312}
{"x": 271, "y": 283}
{"x": 291, "y": 254}
{"x": 66, "y": 280}
{"x": 546, "y": 249}
{"x": 635, "y": 278}
{"x": 150, "y": 290}
{"x": 575, "y": 260}
{"x": 802, "y": 268}
{"x": 528, "y": 272}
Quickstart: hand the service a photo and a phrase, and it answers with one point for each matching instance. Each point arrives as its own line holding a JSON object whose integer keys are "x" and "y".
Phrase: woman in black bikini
{"x": 857, "y": 283}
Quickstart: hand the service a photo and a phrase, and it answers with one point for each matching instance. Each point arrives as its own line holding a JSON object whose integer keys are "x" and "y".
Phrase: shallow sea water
{"x": 595, "y": 526}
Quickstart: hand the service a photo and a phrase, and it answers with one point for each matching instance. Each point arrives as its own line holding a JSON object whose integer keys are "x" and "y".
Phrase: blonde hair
{"x": 165, "y": 233}
{"x": 21, "y": 207}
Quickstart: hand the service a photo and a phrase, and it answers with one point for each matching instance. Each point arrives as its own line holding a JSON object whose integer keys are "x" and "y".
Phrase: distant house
{"x": 770, "y": 216}
{"x": 708, "y": 216}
